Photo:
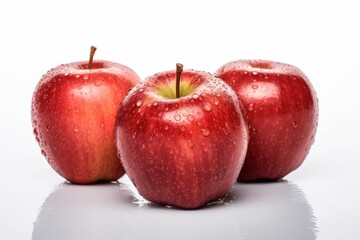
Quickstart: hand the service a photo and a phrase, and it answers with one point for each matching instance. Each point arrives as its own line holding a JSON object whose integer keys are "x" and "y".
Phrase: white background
{"x": 319, "y": 37}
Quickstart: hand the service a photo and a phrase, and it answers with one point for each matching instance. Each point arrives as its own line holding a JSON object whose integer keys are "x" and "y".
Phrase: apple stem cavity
{"x": 179, "y": 70}
{"x": 92, "y": 53}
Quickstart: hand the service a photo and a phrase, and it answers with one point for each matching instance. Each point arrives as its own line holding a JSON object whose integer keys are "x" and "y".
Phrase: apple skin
{"x": 73, "y": 116}
{"x": 282, "y": 111}
{"x": 182, "y": 152}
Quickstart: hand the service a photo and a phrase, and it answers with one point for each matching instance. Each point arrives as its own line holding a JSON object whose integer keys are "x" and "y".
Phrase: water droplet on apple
{"x": 47, "y": 128}
{"x": 215, "y": 177}
{"x": 37, "y": 139}
{"x": 86, "y": 77}
{"x": 155, "y": 104}
{"x": 251, "y": 107}
{"x": 254, "y": 86}
{"x": 45, "y": 96}
{"x": 139, "y": 103}
{"x": 182, "y": 128}
{"x": 216, "y": 102}
{"x": 195, "y": 96}
{"x": 76, "y": 129}
{"x": 35, "y": 132}
{"x": 66, "y": 74}
{"x": 207, "y": 106}
{"x": 190, "y": 117}
{"x": 77, "y": 76}
{"x": 205, "y": 132}
{"x": 177, "y": 117}
{"x": 254, "y": 73}
{"x": 98, "y": 83}
{"x": 151, "y": 161}
{"x": 166, "y": 127}
{"x": 190, "y": 143}
{"x": 171, "y": 151}
{"x": 141, "y": 90}
{"x": 294, "y": 124}
{"x": 43, "y": 152}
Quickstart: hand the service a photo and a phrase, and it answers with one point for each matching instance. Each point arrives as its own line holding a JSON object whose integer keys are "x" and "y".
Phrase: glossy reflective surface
{"x": 115, "y": 211}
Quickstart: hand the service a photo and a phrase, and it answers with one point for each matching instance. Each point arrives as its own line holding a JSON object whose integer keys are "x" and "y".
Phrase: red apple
{"x": 282, "y": 111}
{"x": 73, "y": 116}
{"x": 183, "y": 149}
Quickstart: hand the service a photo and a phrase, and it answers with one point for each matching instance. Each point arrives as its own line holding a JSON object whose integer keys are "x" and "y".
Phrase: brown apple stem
{"x": 179, "y": 69}
{"x": 92, "y": 53}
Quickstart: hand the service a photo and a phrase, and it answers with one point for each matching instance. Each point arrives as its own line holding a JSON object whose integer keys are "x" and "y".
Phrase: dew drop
{"x": 86, "y": 77}
{"x": 190, "y": 117}
{"x": 294, "y": 124}
{"x": 215, "y": 177}
{"x": 195, "y": 96}
{"x": 43, "y": 153}
{"x": 35, "y": 132}
{"x": 141, "y": 90}
{"x": 166, "y": 127}
{"x": 47, "y": 128}
{"x": 251, "y": 107}
{"x": 254, "y": 73}
{"x": 151, "y": 161}
{"x": 139, "y": 103}
{"x": 207, "y": 106}
{"x": 76, "y": 129}
{"x": 155, "y": 104}
{"x": 98, "y": 83}
{"x": 205, "y": 132}
{"x": 77, "y": 76}
{"x": 171, "y": 151}
{"x": 216, "y": 102}
{"x": 66, "y": 74}
{"x": 190, "y": 143}
{"x": 177, "y": 117}
{"x": 254, "y": 86}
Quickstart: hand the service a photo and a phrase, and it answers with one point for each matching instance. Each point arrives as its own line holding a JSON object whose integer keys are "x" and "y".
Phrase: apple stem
{"x": 92, "y": 53}
{"x": 179, "y": 69}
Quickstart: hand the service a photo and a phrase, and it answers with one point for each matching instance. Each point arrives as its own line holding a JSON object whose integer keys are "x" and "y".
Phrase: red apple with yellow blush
{"x": 282, "y": 111}
{"x": 73, "y": 115}
{"x": 182, "y": 143}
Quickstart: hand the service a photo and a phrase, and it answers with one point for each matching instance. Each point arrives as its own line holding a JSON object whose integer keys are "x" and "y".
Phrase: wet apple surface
{"x": 282, "y": 111}
{"x": 182, "y": 151}
{"x": 73, "y": 116}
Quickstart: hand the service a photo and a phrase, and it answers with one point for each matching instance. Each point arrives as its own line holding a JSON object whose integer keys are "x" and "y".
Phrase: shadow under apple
{"x": 116, "y": 211}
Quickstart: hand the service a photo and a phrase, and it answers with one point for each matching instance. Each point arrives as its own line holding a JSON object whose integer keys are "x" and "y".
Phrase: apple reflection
{"x": 116, "y": 211}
